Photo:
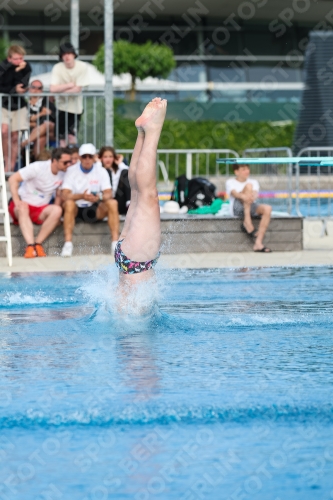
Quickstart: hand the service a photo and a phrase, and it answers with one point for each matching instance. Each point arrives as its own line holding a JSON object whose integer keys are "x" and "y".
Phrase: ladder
{"x": 4, "y": 209}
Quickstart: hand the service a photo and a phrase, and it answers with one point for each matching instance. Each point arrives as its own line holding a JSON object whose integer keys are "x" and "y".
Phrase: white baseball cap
{"x": 87, "y": 149}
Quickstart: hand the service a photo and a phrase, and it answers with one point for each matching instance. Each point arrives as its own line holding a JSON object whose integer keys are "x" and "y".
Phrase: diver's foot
{"x": 153, "y": 115}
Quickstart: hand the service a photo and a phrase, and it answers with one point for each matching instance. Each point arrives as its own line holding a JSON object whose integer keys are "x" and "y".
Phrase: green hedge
{"x": 210, "y": 135}
{"x": 206, "y": 135}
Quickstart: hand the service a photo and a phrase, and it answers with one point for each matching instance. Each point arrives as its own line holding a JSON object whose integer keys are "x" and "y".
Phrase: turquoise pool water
{"x": 224, "y": 393}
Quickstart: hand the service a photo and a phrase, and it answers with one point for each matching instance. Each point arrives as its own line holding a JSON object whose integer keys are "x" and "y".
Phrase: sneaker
{"x": 40, "y": 250}
{"x": 113, "y": 246}
{"x": 67, "y": 249}
{"x": 30, "y": 252}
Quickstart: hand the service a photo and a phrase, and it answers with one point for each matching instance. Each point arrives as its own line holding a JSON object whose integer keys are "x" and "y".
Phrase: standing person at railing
{"x": 68, "y": 77}
{"x": 14, "y": 79}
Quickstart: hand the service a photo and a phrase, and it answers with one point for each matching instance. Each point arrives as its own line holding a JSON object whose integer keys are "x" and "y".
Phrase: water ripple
{"x": 131, "y": 415}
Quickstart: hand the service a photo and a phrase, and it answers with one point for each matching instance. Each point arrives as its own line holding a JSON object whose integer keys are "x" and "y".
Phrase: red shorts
{"x": 34, "y": 213}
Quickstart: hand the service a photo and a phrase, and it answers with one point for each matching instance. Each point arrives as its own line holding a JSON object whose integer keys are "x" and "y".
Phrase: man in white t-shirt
{"x": 87, "y": 195}
{"x": 68, "y": 77}
{"x": 33, "y": 188}
{"x": 243, "y": 193}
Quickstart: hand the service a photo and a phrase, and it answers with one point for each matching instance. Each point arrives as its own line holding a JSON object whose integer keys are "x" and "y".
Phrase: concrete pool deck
{"x": 182, "y": 261}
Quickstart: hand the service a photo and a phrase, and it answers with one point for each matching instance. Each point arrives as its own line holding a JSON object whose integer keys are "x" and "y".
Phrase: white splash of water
{"x": 19, "y": 298}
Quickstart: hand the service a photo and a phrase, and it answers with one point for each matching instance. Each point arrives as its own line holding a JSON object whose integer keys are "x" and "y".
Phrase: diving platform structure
{"x": 313, "y": 161}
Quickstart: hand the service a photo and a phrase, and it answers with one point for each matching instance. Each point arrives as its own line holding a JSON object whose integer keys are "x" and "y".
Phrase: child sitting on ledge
{"x": 243, "y": 193}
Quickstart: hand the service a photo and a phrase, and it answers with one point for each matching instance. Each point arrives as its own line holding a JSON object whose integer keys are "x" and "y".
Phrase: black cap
{"x": 66, "y": 48}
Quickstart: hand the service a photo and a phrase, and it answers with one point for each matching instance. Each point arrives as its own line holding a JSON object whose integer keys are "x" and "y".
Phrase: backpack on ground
{"x": 193, "y": 193}
{"x": 180, "y": 190}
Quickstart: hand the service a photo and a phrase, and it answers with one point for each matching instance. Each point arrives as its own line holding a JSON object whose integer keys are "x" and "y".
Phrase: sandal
{"x": 251, "y": 234}
{"x": 264, "y": 250}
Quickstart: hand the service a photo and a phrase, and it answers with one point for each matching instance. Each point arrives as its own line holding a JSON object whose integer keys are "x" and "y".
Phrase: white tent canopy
{"x": 120, "y": 82}
{"x": 123, "y": 83}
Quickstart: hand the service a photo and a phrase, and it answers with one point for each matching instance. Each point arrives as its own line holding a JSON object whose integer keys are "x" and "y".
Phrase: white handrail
{"x": 4, "y": 210}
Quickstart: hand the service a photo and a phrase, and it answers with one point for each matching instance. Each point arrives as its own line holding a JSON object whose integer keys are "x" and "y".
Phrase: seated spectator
{"x": 118, "y": 173}
{"x": 87, "y": 195}
{"x": 30, "y": 202}
{"x": 75, "y": 153}
{"x": 14, "y": 79}
{"x": 42, "y": 119}
{"x": 44, "y": 155}
{"x": 243, "y": 193}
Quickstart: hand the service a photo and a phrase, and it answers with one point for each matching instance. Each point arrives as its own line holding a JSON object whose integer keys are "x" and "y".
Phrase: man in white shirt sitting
{"x": 31, "y": 200}
{"x": 87, "y": 195}
{"x": 243, "y": 193}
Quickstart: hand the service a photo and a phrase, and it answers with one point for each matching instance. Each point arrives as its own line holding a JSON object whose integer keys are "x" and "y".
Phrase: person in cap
{"x": 87, "y": 195}
{"x": 69, "y": 77}
{"x": 36, "y": 199}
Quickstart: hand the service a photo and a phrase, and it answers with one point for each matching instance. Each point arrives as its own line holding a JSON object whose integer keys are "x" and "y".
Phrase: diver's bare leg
{"x": 132, "y": 181}
{"x": 143, "y": 233}
{"x": 132, "y": 174}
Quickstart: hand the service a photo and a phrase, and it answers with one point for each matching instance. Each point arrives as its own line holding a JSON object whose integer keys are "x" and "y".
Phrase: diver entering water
{"x": 138, "y": 247}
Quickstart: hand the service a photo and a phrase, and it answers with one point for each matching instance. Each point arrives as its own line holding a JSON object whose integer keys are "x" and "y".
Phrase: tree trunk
{"x": 133, "y": 91}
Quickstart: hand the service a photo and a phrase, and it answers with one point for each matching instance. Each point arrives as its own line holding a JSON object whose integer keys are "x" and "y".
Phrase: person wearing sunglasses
{"x": 87, "y": 195}
{"x": 42, "y": 113}
{"x": 33, "y": 188}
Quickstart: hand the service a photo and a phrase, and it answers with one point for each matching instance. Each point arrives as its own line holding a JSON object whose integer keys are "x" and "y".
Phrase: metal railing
{"x": 172, "y": 163}
{"x": 52, "y": 129}
{"x": 314, "y": 185}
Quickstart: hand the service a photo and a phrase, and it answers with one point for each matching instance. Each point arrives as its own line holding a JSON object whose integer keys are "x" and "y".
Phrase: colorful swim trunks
{"x": 128, "y": 266}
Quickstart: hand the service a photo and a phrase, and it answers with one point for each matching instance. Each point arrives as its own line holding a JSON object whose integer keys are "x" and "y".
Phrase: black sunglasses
{"x": 86, "y": 156}
{"x": 67, "y": 162}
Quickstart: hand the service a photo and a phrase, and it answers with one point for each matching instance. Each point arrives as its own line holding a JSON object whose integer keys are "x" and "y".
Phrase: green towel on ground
{"x": 208, "y": 209}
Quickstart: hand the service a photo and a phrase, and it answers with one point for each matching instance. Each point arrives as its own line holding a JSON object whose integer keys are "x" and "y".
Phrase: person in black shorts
{"x": 68, "y": 78}
{"x": 87, "y": 195}
{"x": 68, "y": 125}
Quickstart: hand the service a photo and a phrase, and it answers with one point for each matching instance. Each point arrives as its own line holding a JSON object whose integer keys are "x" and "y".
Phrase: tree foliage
{"x": 3, "y": 49}
{"x": 141, "y": 61}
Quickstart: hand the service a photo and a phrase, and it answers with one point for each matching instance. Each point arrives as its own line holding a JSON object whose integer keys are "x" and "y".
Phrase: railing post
{"x": 297, "y": 190}
{"x": 108, "y": 70}
{"x": 290, "y": 188}
{"x": 4, "y": 209}
{"x": 189, "y": 165}
{"x": 75, "y": 13}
